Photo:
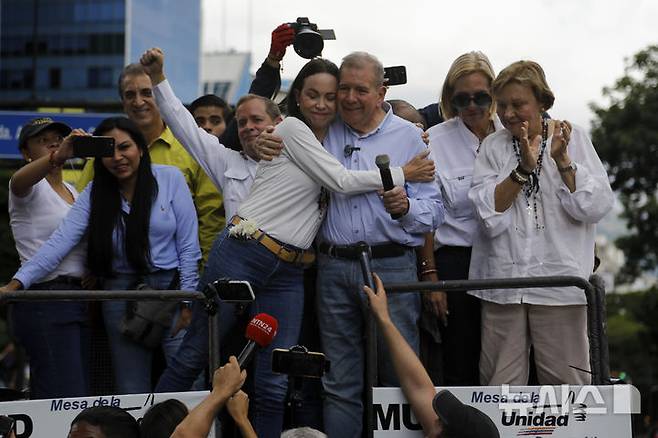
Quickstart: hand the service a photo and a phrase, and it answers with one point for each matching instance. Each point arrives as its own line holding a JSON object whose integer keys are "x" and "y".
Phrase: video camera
{"x": 299, "y": 362}
{"x": 309, "y": 40}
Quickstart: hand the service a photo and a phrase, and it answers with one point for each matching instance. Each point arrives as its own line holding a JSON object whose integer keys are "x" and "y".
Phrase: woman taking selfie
{"x": 141, "y": 227}
{"x": 54, "y": 334}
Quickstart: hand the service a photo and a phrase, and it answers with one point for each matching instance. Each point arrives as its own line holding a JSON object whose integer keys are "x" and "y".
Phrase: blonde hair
{"x": 529, "y": 74}
{"x": 464, "y": 65}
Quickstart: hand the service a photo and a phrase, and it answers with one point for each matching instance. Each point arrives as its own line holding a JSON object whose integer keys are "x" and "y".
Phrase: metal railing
{"x": 594, "y": 290}
{"x": 141, "y": 295}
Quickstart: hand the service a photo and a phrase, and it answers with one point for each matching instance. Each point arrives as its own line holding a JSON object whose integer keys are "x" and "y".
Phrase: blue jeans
{"x": 341, "y": 306}
{"x": 279, "y": 291}
{"x": 56, "y": 338}
{"x": 131, "y": 362}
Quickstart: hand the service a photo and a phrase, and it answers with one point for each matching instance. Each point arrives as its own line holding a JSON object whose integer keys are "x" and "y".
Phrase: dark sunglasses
{"x": 462, "y": 100}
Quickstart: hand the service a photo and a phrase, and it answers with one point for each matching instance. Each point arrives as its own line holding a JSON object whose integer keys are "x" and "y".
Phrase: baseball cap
{"x": 36, "y": 126}
{"x": 460, "y": 420}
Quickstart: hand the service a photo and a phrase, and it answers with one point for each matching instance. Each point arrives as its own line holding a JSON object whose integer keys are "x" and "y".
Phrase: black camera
{"x": 299, "y": 362}
{"x": 309, "y": 40}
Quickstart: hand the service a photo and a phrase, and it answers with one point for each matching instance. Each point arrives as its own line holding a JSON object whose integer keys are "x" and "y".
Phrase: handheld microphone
{"x": 260, "y": 332}
{"x": 384, "y": 163}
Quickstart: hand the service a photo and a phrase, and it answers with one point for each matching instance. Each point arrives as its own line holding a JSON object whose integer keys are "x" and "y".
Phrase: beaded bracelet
{"x": 518, "y": 178}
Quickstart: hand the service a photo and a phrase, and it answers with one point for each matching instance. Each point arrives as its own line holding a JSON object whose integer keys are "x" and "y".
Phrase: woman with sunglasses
{"x": 539, "y": 189}
{"x": 469, "y": 111}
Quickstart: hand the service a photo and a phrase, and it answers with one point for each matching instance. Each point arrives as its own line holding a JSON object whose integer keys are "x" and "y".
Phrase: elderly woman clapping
{"x": 539, "y": 189}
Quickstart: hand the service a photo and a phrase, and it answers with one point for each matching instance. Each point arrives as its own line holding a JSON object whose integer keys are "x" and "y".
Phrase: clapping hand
{"x": 529, "y": 149}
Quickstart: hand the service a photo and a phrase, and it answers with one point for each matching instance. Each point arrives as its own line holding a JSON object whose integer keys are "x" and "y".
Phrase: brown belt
{"x": 304, "y": 257}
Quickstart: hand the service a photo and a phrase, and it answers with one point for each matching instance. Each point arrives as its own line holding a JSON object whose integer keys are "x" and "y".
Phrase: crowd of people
{"x": 498, "y": 189}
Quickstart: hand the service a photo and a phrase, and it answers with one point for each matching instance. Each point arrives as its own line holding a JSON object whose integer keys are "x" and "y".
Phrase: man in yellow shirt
{"x": 135, "y": 89}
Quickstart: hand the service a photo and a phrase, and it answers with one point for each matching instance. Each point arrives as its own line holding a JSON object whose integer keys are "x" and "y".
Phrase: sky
{"x": 581, "y": 44}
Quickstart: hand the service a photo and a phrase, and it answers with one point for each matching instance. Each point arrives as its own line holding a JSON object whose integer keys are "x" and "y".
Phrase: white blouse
{"x": 556, "y": 238}
{"x": 454, "y": 148}
{"x": 287, "y": 200}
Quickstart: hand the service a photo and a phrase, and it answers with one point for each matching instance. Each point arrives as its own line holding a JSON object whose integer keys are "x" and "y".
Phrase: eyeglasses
{"x": 462, "y": 100}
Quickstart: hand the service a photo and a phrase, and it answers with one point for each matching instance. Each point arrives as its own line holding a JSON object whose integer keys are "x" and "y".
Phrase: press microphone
{"x": 260, "y": 332}
{"x": 384, "y": 163}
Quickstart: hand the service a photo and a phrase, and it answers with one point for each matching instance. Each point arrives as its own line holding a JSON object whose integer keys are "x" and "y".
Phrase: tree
{"x": 626, "y": 138}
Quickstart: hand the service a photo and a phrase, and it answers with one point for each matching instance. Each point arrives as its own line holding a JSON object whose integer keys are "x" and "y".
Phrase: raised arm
{"x": 205, "y": 148}
{"x": 226, "y": 381}
{"x": 26, "y": 177}
{"x": 414, "y": 380}
{"x": 267, "y": 81}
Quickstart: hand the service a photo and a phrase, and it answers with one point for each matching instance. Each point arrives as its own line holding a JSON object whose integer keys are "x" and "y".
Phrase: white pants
{"x": 558, "y": 334}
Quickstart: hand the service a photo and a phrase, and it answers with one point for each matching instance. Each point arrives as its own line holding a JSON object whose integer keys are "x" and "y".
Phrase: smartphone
{"x": 299, "y": 363}
{"x": 234, "y": 291}
{"x": 84, "y": 147}
{"x": 395, "y": 75}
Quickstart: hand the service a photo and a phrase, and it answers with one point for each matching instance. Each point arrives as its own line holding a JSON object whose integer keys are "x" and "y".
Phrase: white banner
{"x": 52, "y": 418}
{"x": 525, "y": 411}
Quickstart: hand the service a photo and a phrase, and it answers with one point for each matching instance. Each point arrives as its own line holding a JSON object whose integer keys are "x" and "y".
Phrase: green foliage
{"x": 626, "y": 138}
{"x": 633, "y": 335}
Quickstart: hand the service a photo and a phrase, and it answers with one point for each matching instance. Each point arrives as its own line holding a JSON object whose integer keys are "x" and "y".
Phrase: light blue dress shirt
{"x": 173, "y": 236}
{"x": 355, "y": 218}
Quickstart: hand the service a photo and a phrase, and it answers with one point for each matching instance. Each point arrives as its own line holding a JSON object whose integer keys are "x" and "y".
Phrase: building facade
{"x": 70, "y": 52}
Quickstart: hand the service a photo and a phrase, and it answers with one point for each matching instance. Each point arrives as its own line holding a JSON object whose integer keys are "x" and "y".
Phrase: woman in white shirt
{"x": 470, "y": 113}
{"x": 268, "y": 242}
{"x": 54, "y": 334}
{"x": 539, "y": 189}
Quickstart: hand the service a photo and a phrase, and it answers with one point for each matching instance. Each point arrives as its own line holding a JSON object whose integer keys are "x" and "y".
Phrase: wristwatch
{"x": 571, "y": 167}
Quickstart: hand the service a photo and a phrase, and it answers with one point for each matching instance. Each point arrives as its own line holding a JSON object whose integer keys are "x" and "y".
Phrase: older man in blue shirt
{"x": 368, "y": 128}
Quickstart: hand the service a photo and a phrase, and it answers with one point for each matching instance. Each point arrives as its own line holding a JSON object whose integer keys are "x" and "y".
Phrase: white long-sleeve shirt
{"x": 508, "y": 243}
{"x": 454, "y": 148}
{"x": 231, "y": 171}
{"x": 286, "y": 199}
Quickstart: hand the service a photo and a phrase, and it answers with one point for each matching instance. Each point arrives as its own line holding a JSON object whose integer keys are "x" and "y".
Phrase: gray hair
{"x": 303, "y": 432}
{"x": 362, "y": 60}
{"x": 134, "y": 69}
{"x": 271, "y": 108}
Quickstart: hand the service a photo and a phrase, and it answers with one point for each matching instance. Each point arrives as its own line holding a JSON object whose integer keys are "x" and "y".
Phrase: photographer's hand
{"x": 153, "y": 62}
{"x": 378, "y": 301}
{"x": 238, "y": 407}
{"x": 282, "y": 37}
{"x": 228, "y": 379}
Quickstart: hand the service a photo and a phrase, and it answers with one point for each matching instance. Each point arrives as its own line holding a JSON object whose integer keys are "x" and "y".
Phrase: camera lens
{"x": 308, "y": 43}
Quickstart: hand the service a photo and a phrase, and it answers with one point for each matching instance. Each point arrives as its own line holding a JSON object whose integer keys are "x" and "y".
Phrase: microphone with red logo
{"x": 260, "y": 332}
